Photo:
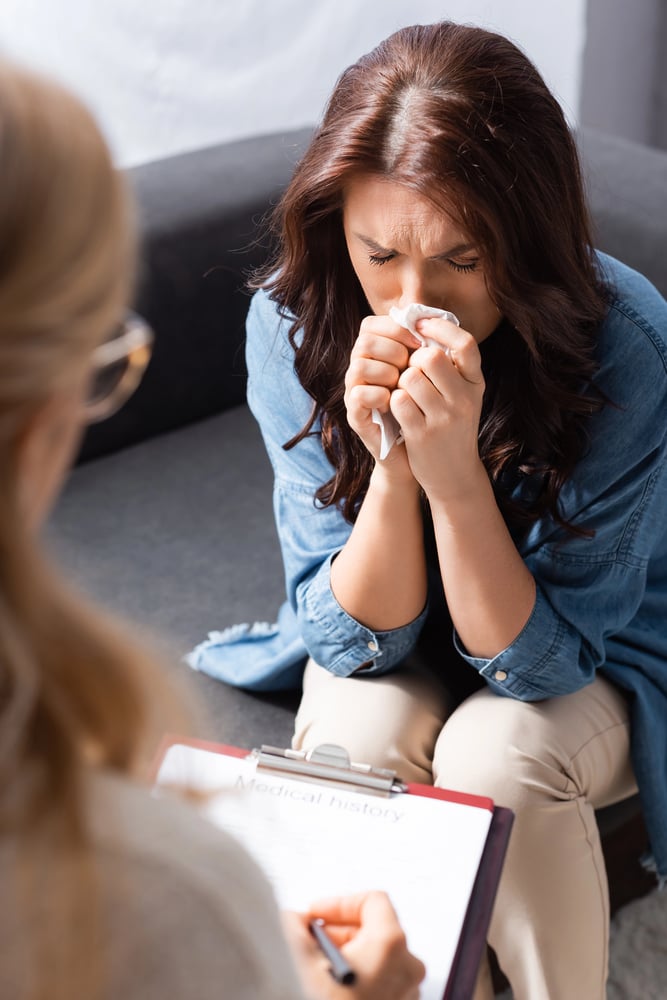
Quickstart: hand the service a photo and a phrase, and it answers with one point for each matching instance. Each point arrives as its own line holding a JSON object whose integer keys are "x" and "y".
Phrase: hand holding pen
{"x": 366, "y": 957}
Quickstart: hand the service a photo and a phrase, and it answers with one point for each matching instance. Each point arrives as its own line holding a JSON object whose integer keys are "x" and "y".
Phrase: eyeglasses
{"x": 118, "y": 366}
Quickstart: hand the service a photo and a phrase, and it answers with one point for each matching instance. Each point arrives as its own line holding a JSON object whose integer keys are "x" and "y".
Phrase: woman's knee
{"x": 503, "y": 748}
{"x": 560, "y": 748}
{"x": 390, "y": 721}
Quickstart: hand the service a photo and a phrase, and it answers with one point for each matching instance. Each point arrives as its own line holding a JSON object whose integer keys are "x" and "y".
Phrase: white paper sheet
{"x": 315, "y": 841}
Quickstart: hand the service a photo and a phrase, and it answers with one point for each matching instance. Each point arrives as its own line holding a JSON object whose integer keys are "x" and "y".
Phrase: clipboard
{"x": 283, "y": 805}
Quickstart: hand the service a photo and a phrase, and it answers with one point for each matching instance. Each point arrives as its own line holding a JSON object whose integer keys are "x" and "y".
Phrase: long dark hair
{"x": 462, "y": 117}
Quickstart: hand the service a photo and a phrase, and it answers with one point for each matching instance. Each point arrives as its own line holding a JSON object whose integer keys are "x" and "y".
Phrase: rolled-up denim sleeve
{"x": 560, "y": 648}
{"x": 310, "y": 536}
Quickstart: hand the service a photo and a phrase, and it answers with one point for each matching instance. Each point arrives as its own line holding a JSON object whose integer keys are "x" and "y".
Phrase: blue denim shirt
{"x": 601, "y": 601}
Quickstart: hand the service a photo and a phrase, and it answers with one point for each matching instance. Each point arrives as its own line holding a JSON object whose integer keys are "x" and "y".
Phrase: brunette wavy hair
{"x": 459, "y": 115}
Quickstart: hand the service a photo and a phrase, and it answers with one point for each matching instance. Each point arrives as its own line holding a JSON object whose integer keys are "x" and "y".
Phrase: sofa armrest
{"x": 198, "y": 214}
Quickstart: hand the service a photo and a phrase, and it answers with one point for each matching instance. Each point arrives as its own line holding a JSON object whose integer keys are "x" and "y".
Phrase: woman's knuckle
{"x": 355, "y": 372}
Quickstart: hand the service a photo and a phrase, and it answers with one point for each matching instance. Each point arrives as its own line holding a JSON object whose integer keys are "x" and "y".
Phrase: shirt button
{"x": 373, "y": 646}
{"x": 500, "y": 675}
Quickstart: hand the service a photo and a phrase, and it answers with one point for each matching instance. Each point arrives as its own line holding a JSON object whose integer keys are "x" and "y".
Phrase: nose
{"x": 415, "y": 288}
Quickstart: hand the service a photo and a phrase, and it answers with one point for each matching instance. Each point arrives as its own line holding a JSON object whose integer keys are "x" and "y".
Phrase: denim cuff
{"x": 516, "y": 672}
{"x": 341, "y": 644}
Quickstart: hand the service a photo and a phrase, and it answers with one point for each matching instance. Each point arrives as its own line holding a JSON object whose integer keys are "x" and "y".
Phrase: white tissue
{"x": 408, "y": 318}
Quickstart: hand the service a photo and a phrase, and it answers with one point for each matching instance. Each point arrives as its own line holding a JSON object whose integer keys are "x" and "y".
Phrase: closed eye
{"x": 464, "y": 268}
{"x": 378, "y": 260}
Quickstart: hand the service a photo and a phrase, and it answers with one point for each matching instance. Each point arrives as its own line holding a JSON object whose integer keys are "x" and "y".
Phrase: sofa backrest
{"x": 201, "y": 213}
{"x": 627, "y": 193}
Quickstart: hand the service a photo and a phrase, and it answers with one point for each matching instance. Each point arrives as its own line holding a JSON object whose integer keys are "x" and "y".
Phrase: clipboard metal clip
{"x": 328, "y": 764}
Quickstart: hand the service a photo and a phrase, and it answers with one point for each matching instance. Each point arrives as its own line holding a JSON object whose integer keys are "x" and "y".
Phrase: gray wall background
{"x": 624, "y": 72}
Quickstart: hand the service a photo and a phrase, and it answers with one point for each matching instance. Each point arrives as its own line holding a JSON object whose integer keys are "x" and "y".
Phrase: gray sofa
{"x": 167, "y": 517}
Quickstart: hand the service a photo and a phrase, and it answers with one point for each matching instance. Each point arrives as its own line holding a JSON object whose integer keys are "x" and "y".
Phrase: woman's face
{"x": 403, "y": 250}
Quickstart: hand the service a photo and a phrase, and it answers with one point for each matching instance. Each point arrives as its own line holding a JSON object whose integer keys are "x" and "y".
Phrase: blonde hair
{"x": 73, "y": 688}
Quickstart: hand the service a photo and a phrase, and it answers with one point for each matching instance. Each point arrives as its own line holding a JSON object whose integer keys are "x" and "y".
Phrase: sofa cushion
{"x": 177, "y": 535}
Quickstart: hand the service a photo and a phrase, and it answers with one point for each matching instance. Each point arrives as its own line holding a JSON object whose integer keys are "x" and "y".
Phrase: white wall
{"x": 165, "y": 76}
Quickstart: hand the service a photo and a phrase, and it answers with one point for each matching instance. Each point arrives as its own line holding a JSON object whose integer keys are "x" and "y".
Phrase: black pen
{"x": 341, "y": 969}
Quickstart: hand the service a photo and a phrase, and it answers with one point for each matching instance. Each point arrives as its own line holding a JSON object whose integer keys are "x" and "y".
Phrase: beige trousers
{"x": 553, "y": 762}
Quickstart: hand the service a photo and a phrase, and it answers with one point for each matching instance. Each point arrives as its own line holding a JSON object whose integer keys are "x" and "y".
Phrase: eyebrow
{"x": 379, "y": 249}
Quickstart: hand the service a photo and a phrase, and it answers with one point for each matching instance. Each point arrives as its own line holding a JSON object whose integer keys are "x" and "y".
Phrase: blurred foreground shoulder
{"x": 190, "y": 910}
{"x": 184, "y": 913}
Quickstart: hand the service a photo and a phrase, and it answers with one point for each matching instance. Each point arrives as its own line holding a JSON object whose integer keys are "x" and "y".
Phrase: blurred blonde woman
{"x": 106, "y": 891}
